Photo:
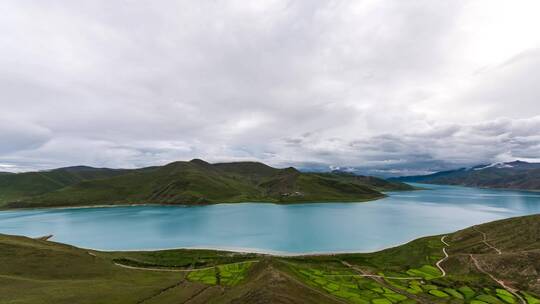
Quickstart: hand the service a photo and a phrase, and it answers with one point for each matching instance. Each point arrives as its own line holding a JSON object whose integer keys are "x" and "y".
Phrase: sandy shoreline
{"x": 246, "y": 250}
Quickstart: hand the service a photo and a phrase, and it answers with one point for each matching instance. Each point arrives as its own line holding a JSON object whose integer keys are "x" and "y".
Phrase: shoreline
{"x": 276, "y": 253}
{"x": 259, "y": 251}
{"x": 535, "y": 191}
{"x": 194, "y": 205}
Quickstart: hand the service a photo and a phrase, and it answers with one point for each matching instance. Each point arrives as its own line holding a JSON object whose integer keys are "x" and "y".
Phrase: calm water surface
{"x": 302, "y": 228}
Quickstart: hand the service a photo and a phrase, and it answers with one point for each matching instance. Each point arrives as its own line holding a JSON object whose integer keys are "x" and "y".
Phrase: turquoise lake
{"x": 272, "y": 228}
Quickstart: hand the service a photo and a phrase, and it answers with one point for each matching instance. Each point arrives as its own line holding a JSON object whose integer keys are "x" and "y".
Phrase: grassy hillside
{"x": 35, "y": 271}
{"x": 193, "y": 182}
{"x": 514, "y": 175}
{"x": 16, "y": 186}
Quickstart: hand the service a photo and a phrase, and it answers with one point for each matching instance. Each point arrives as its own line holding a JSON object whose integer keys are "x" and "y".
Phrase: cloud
{"x": 509, "y": 89}
{"x": 443, "y": 147}
{"x": 383, "y": 85}
{"x": 16, "y": 136}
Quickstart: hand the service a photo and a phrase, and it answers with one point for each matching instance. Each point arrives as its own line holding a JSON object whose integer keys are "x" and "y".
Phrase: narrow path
{"x": 500, "y": 282}
{"x": 160, "y": 269}
{"x": 161, "y": 292}
{"x": 44, "y": 238}
{"x": 51, "y": 179}
{"x": 381, "y": 281}
{"x": 373, "y": 276}
{"x": 22, "y": 278}
{"x": 196, "y": 294}
{"x": 178, "y": 270}
{"x": 444, "y": 242}
{"x": 361, "y": 273}
{"x": 485, "y": 241}
{"x": 438, "y": 264}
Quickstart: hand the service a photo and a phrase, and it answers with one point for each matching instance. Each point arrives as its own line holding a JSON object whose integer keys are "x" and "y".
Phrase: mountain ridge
{"x": 185, "y": 182}
{"x": 510, "y": 175}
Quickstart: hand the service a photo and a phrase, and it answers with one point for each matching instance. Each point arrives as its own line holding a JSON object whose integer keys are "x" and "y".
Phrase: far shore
{"x": 191, "y": 205}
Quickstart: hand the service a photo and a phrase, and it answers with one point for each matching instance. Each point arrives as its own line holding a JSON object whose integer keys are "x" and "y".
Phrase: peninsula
{"x": 193, "y": 182}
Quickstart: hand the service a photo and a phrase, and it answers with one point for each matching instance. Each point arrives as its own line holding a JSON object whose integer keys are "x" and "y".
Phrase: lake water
{"x": 262, "y": 227}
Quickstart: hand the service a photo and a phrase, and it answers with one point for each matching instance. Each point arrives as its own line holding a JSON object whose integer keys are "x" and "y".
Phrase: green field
{"x": 37, "y": 271}
{"x": 227, "y": 274}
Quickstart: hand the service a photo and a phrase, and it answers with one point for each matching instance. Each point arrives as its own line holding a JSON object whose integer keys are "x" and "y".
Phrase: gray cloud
{"x": 383, "y": 85}
{"x": 20, "y": 135}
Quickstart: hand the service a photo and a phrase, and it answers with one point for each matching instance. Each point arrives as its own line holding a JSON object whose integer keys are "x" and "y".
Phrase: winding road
{"x": 500, "y": 282}
{"x": 438, "y": 264}
{"x": 486, "y": 242}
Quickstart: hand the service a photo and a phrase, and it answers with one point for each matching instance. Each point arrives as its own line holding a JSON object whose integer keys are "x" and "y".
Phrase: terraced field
{"x": 227, "y": 275}
{"x": 344, "y": 284}
{"x": 395, "y": 287}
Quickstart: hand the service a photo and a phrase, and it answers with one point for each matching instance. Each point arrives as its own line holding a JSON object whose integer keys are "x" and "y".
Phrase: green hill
{"x": 480, "y": 259}
{"x": 21, "y": 185}
{"x": 193, "y": 182}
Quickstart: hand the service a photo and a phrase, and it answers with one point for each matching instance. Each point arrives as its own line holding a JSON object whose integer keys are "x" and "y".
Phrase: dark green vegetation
{"x": 37, "y": 271}
{"x": 15, "y": 186}
{"x": 514, "y": 175}
{"x": 193, "y": 182}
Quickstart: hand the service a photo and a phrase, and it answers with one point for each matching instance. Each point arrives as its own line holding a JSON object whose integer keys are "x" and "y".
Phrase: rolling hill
{"x": 193, "y": 182}
{"x": 14, "y": 186}
{"x": 512, "y": 175}
{"x": 493, "y": 263}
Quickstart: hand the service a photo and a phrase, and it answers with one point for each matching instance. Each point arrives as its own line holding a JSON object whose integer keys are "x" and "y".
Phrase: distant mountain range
{"x": 193, "y": 182}
{"x": 511, "y": 175}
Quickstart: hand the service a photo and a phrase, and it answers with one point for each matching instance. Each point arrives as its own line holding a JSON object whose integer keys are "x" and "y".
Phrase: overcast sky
{"x": 388, "y": 86}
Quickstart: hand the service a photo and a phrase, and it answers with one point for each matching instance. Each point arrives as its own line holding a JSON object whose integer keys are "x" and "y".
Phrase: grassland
{"x": 193, "y": 182}
{"x": 22, "y": 185}
{"x": 37, "y": 271}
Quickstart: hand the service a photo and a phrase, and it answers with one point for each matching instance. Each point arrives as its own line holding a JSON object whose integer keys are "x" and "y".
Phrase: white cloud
{"x": 412, "y": 85}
